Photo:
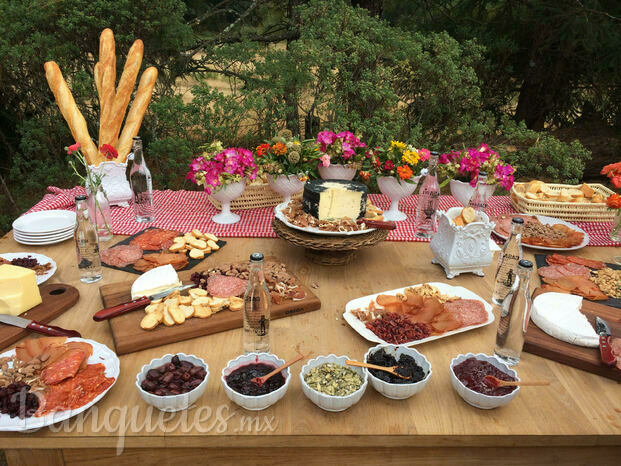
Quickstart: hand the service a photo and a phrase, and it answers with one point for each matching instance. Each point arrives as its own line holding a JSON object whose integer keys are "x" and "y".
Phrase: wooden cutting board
{"x": 129, "y": 337}
{"x": 57, "y": 298}
{"x": 588, "y": 359}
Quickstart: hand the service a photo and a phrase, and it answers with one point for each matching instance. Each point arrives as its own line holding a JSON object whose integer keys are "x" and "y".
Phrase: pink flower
{"x": 389, "y": 165}
{"x": 424, "y": 154}
{"x": 325, "y": 138}
{"x": 73, "y": 148}
{"x": 325, "y": 160}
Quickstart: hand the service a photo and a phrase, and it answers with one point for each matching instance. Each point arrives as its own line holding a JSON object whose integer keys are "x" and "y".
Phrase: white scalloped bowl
{"x": 476, "y": 399}
{"x": 398, "y": 391}
{"x": 255, "y": 403}
{"x": 172, "y": 403}
{"x": 330, "y": 402}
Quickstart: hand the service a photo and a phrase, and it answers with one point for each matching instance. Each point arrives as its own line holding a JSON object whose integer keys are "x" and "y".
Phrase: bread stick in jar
{"x": 70, "y": 111}
{"x": 107, "y": 58}
{"x": 124, "y": 90}
{"x": 136, "y": 112}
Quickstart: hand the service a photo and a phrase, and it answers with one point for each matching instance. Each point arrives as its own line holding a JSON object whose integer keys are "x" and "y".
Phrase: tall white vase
{"x": 396, "y": 189}
{"x": 462, "y": 191}
{"x": 114, "y": 182}
{"x": 285, "y": 185}
{"x": 336, "y": 172}
{"x": 225, "y": 195}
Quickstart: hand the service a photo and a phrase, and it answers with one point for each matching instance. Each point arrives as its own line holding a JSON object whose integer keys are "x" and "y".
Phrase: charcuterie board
{"x": 587, "y": 359}
{"x": 129, "y": 337}
{"x": 57, "y": 298}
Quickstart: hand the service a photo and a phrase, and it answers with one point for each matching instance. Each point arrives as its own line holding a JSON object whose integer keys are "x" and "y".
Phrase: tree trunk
{"x": 292, "y": 114}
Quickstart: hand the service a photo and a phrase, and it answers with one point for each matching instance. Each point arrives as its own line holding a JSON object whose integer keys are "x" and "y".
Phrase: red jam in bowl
{"x": 240, "y": 379}
{"x": 471, "y": 372}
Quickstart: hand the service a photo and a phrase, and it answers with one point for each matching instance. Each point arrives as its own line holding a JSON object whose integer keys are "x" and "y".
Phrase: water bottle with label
{"x": 86, "y": 244}
{"x": 514, "y": 316}
{"x": 257, "y": 301}
{"x": 478, "y": 201}
{"x": 508, "y": 259}
{"x": 141, "y": 184}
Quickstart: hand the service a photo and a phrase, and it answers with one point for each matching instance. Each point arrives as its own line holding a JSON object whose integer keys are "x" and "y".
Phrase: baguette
{"x": 107, "y": 58}
{"x": 97, "y": 77}
{"x": 124, "y": 90}
{"x": 136, "y": 112}
{"x": 70, "y": 111}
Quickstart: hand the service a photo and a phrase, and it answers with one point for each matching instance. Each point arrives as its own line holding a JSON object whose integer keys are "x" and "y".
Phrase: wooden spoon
{"x": 261, "y": 380}
{"x": 390, "y": 370}
{"x": 495, "y": 382}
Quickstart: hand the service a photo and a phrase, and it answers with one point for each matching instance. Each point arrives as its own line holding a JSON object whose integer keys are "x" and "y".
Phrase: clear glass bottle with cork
{"x": 426, "y": 221}
{"x": 508, "y": 258}
{"x": 141, "y": 184}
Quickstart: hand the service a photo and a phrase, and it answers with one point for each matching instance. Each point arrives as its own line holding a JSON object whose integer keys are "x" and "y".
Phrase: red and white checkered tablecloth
{"x": 186, "y": 210}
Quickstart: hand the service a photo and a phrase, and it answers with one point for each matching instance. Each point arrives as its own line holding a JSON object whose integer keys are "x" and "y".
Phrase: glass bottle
{"x": 508, "y": 259}
{"x": 426, "y": 222}
{"x": 257, "y": 301}
{"x": 99, "y": 212}
{"x": 478, "y": 201}
{"x": 142, "y": 186}
{"x": 86, "y": 243}
{"x": 514, "y": 316}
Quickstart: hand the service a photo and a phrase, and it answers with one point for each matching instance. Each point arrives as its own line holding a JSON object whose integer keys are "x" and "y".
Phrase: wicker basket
{"x": 576, "y": 211}
{"x": 255, "y": 196}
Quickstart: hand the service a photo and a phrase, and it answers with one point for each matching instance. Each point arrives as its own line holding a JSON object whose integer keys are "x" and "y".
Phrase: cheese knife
{"x": 603, "y": 330}
{"x": 37, "y": 326}
{"x": 119, "y": 309}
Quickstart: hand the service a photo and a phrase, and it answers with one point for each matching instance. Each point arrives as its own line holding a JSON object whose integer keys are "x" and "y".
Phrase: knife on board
{"x": 110, "y": 312}
{"x": 603, "y": 330}
{"x": 38, "y": 326}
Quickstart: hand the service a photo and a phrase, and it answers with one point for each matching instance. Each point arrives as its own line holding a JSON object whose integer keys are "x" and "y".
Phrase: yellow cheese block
{"x": 18, "y": 290}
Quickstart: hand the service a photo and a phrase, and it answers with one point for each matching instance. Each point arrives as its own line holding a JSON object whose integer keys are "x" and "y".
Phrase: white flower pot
{"x": 225, "y": 195}
{"x": 285, "y": 185}
{"x": 462, "y": 191}
{"x": 114, "y": 182}
{"x": 396, "y": 189}
{"x": 337, "y": 172}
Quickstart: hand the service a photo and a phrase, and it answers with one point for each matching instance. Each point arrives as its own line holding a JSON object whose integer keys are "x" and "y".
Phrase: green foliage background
{"x": 434, "y": 73}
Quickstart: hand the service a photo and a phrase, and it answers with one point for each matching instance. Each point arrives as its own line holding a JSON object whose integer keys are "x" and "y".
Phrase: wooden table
{"x": 576, "y": 420}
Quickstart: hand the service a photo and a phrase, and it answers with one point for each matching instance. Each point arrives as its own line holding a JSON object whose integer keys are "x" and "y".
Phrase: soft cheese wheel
{"x": 18, "y": 289}
{"x": 334, "y": 199}
{"x": 155, "y": 280}
{"x": 558, "y": 314}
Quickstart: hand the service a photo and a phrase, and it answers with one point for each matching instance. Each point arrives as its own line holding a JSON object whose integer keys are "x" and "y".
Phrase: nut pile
{"x": 173, "y": 378}
{"x": 333, "y": 379}
{"x": 14, "y": 370}
{"x": 176, "y": 309}
{"x": 609, "y": 281}
{"x": 196, "y": 243}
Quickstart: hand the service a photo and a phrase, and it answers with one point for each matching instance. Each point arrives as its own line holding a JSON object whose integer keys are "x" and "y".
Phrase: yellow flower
{"x": 397, "y": 145}
{"x": 410, "y": 157}
{"x": 296, "y": 143}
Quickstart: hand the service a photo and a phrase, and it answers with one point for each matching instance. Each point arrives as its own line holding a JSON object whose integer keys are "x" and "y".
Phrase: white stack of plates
{"x": 45, "y": 227}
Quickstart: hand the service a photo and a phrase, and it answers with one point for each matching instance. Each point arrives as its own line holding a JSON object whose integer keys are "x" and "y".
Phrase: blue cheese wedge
{"x": 155, "y": 280}
{"x": 334, "y": 199}
{"x": 558, "y": 314}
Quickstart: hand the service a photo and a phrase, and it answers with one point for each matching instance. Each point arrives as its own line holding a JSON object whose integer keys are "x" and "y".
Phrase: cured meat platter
{"x": 57, "y": 298}
{"x": 101, "y": 354}
{"x": 130, "y": 337}
{"x": 587, "y": 359}
{"x": 456, "y": 291}
{"x": 503, "y": 227}
{"x": 540, "y": 260}
{"x": 191, "y": 262}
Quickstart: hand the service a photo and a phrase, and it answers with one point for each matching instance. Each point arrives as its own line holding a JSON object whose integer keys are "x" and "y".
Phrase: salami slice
{"x": 122, "y": 255}
{"x": 223, "y": 286}
{"x": 66, "y": 367}
{"x": 553, "y": 272}
{"x": 469, "y": 311}
{"x": 575, "y": 269}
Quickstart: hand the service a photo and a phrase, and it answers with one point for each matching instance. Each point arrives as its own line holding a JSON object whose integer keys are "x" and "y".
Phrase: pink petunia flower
{"x": 325, "y": 160}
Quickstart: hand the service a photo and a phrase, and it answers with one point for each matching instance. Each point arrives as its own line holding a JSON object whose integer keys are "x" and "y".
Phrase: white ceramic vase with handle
{"x": 114, "y": 182}
{"x": 225, "y": 195}
{"x": 337, "y": 172}
{"x": 396, "y": 189}
{"x": 462, "y": 191}
{"x": 285, "y": 185}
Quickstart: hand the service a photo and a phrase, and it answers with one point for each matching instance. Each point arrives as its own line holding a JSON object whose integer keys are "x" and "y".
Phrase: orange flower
{"x": 365, "y": 175}
{"x": 614, "y": 201}
{"x": 613, "y": 171}
{"x": 279, "y": 148}
{"x": 405, "y": 172}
